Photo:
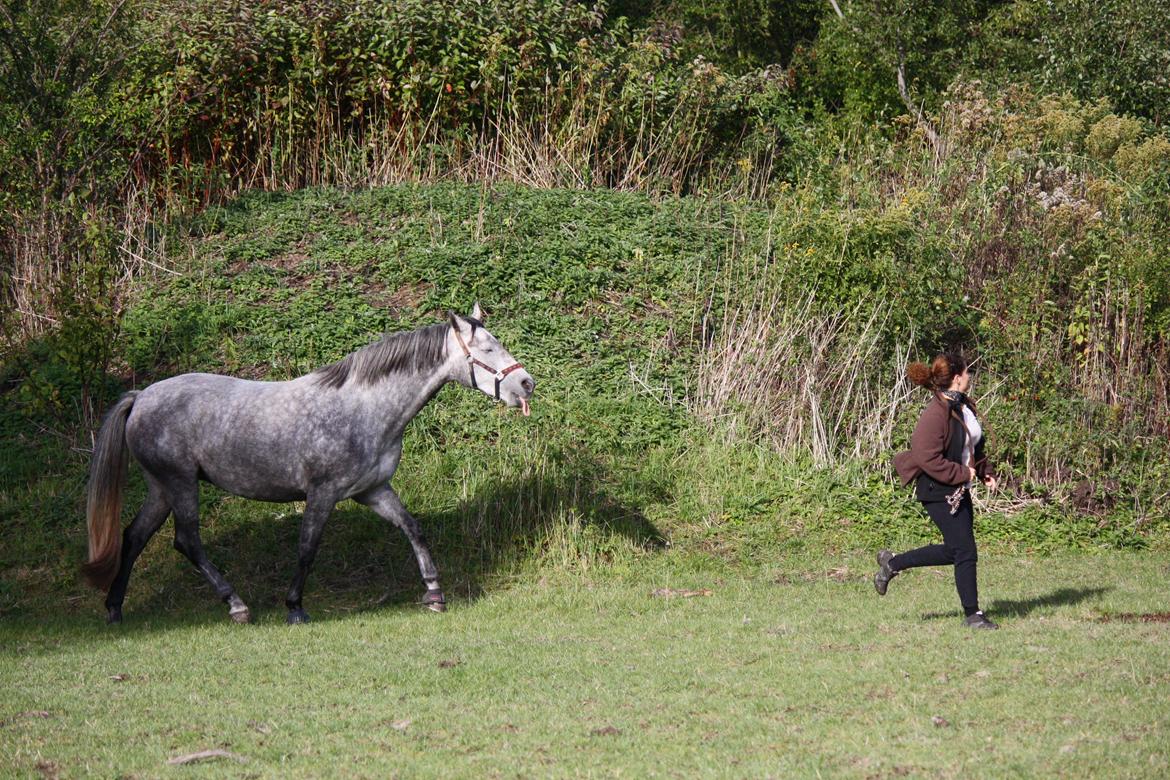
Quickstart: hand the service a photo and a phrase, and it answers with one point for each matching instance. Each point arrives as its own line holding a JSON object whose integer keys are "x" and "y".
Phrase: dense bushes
{"x": 128, "y": 113}
{"x": 1114, "y": 50}
{"x": 1023, "y": 218}
{"x": 118, "y": 113}
{"x": 266, "y": 93}
{"x": 297, "y": 92}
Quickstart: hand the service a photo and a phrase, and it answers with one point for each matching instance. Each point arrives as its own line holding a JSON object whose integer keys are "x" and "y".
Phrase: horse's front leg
{"x": 387, "y": 505}
{"x": 317, "y": 510}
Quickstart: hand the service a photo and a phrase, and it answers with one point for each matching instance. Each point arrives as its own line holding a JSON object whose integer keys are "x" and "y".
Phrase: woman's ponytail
{"x": 939, "y": 374}
{"x": 919, "y": 374}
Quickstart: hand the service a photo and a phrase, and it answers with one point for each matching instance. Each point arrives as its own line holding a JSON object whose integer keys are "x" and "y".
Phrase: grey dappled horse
{"x": 330, "y": 435}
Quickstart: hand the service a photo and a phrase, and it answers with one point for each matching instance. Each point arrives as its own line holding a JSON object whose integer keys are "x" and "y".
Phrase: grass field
{"x": 787, "y": 668}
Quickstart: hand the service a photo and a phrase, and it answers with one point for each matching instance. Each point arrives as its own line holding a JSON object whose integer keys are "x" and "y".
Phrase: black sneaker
{"x": 979, "y": 620}
{"x": 881, "y": 580}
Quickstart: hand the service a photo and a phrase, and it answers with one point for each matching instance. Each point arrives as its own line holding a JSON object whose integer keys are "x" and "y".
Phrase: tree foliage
{"x": 1109, "y": 49}
{"x": 737, "y": 34}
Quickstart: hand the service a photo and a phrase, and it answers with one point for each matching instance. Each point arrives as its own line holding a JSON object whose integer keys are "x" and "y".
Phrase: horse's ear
{"x": 477, "y": 312}
{"x": 461, "y": 326}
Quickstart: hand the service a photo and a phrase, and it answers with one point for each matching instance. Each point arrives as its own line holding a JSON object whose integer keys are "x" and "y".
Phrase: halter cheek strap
{"x": 473, "y": 361}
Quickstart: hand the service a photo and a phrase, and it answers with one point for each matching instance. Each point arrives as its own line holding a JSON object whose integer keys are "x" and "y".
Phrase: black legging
{"x": 957, "y": 549}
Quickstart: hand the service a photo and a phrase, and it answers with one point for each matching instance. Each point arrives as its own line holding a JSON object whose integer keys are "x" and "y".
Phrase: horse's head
{"x": 490, "y": 368}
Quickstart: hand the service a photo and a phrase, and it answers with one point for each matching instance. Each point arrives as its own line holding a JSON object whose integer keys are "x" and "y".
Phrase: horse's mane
{"x": 415, "y": 351}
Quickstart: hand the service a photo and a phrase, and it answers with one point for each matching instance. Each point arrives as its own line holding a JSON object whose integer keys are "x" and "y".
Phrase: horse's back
{"x": 199, "y": 400}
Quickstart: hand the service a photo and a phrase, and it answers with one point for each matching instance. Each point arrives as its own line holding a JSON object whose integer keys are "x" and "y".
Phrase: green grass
{"x": 791, "y": 668}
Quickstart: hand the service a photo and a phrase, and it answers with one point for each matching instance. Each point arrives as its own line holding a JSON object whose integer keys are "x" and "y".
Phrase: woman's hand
{"x": 971, "y": 478}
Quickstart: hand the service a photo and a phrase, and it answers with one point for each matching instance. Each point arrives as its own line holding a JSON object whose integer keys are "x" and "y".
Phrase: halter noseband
{"x": 473, "y": 361}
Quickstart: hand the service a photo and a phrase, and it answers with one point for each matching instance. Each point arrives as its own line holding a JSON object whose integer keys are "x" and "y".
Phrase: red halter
{"x": 473, "y": 361}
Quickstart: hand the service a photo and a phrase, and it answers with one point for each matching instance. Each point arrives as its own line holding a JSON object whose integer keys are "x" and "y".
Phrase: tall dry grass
{"x": 571, "y": 140}
{"x": 50, "y": 253}
{"x": 808, "y": 380}
{"x": 571, "y": 136}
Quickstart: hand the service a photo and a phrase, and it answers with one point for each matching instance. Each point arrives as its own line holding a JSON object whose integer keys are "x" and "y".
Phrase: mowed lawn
{"x": 794, "y": 669}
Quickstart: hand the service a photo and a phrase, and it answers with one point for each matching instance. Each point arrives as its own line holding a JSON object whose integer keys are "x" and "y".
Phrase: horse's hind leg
{"x": 386, "y": 504}
{"x": 185, "y": 503}
{"x": 146, "y": 523}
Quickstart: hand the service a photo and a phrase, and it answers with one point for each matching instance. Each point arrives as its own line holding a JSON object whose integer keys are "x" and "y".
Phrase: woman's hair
{"x": 939, "y": 374}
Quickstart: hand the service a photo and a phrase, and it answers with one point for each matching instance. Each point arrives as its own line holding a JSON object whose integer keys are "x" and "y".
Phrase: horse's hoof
{"x": 113, "y": 616}
{"x": 241, "y": 615}
{"x": 297, "y": 616}
{"x": 434, "y": 601}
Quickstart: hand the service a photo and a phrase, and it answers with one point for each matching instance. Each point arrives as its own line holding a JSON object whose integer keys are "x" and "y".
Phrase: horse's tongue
{"x": 524, "y": 407}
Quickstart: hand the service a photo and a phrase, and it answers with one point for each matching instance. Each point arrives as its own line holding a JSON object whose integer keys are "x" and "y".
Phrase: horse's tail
{"x": 107, "y": 476}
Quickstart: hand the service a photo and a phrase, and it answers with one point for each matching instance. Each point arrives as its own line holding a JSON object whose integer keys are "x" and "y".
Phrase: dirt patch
{"x": 49, "y": 770}
{"x": 1136, "y": 617}
{"x": 894, "y": 771}
{"x": 1095, "y": 498}
{"x": 405, "y": 298}
{"x": 285, "y": 261}
{"x": 32, "y": 714}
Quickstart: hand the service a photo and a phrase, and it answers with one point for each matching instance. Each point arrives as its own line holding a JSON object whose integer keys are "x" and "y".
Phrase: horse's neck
{"x": 396, "y": 399}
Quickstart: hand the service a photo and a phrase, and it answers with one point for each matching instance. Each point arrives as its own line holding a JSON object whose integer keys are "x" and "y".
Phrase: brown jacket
{"x": 936, "y": 446}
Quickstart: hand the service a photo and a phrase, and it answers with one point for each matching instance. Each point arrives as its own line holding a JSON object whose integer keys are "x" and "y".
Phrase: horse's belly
{"x": 250, "y": 484}
{"x": 266, "y": 493}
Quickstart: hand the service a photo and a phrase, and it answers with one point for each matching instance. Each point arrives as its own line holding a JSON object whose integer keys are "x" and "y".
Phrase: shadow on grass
{"x": 1058, "y": 598}
{"x": 562, "y": 507}
{"x": 1022, "y": 607}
